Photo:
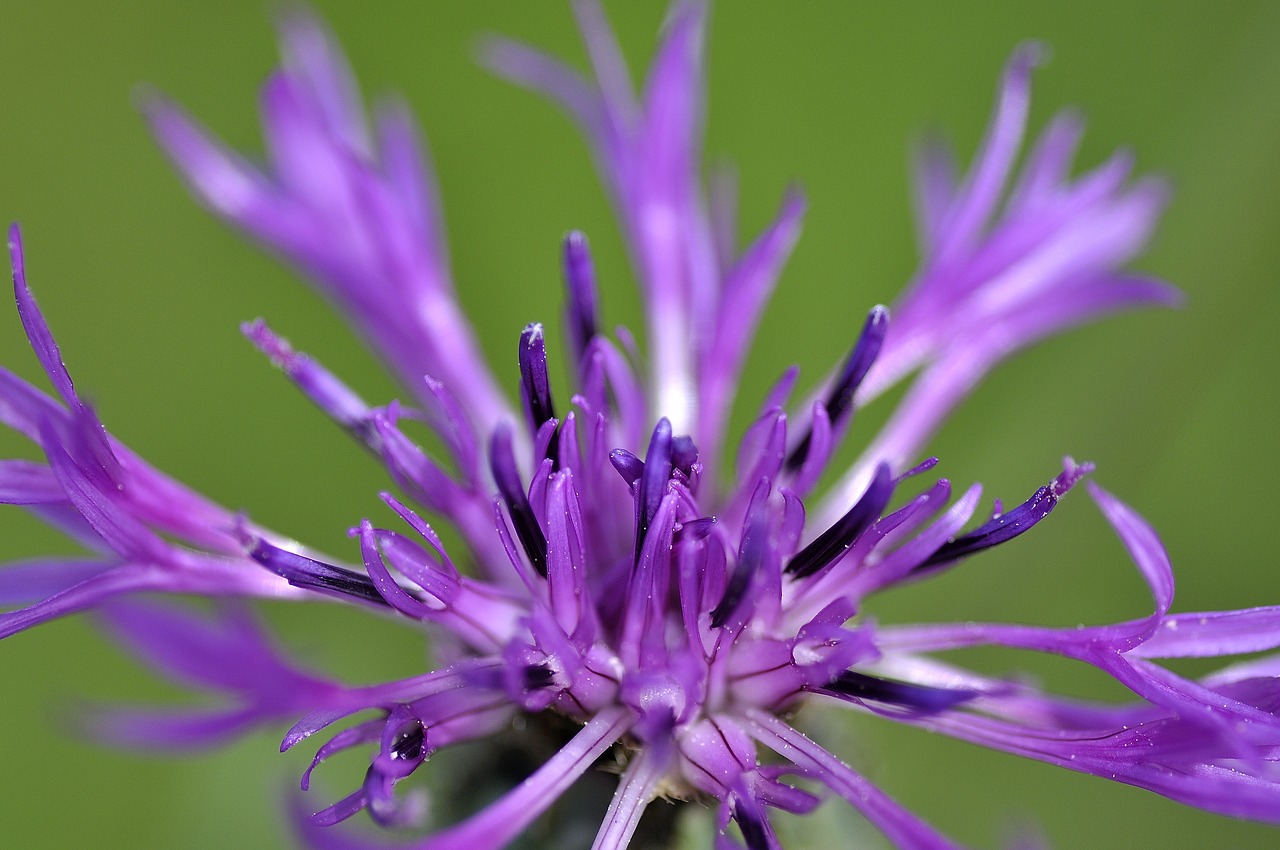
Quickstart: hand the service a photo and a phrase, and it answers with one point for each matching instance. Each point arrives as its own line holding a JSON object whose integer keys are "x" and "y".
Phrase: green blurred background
{"x": 144, "y": 291}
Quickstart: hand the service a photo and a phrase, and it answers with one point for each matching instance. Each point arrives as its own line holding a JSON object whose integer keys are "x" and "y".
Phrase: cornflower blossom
{"x": 615, "y": 577}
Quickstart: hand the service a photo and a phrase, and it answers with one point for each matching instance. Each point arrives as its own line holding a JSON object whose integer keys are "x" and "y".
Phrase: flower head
{"x": 614, "y": 576}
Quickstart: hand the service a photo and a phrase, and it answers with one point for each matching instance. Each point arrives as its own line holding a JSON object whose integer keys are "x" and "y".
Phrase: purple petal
{"x": 745, "y": 292}
{"x": 227, "y": 652}
{"x": 123, "y": 532}
{"x": 363, "y": 733}
{"x": 901, "y": 827}
{"x": 83, "y": 595}
{"x": 981, "y": 191}
{"x": 1143, "y": 544}
{"x": 24, "y": 482}
{"x": 227, "y": 184}
{"x": 318, "y": 384}
{"x": 535, "y": 383}
{"x": 503, "y": 820}
{"x": 23, "y": 407}
{"x": 311, "y": 54}
{"x": 934, "y": 182}
{"x": 42, "y": 341}
{"x": 635, "y": 789}
{"x": 171, "y": 729}
{"x": 25, "y": 582}
{"x": 1213, "y": 634}
{"x": 1048, "y": 164}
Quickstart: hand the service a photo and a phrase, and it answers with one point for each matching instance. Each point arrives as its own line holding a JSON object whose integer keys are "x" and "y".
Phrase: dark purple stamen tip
{"x": 830, "y": 544}
{"x": 921, "y": 467}
{"x": 997, "y": 508}
{"x": 580, "y": 285}
{"x": 628, "y": 465}
{"x": 839, "y": 401}
{"x": 917, "y": 698}
{"x": 750, "y": 559}
{"x": 684, "y": 453}
{"x": 304, "y": 572}
{"x": 653, "y": 480}
{"x": 502, "y": 463}
{"x": 694, "y": 530}
{"x": 864, "y": 354}
{"x": 535, "y": 383}
{"x": 1002, "y": 528}
{"x": 752, "y": 826}
{"x": 409, "y": 740}
{"x": 537, "y": 676}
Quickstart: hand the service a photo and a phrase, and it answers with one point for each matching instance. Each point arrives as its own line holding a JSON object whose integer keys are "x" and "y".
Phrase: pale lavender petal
{"x": 1049, "y": 162}
{"x": 83, "y": 595}
{"x": 228, "y": 184}
{"x": 229, "y": 652}
{"x": 411, "y": 176}
{"x": 977, "y": 198}
{"x": 551, "y": 77}
{"x": 25, "y": 582}
{"x": 607, "y": 61}
{"x": 24, "y": 482}
{"x": 934, "y": 181}
{"x": 745, "y": 292}
{"x": 329, "y": 208}
{"x": 171, "y": 729}
{"x": 311, "y": 54}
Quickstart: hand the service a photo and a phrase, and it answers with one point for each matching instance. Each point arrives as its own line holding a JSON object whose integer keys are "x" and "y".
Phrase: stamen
{"x": 408, "y": 742}
{"x": 502, "y": 463}
{"x": 832, "y": 543}
{"x": 628, "y": 465}
{"x": 751, "y": 556}
{"x": 753, "y": 829}
{"x": 839, "y": 401}
{"x": 918, "y": 698}
{"x": 653, "y": 481}
{"x": 921, "y": 467}
{"x": 538, "y": 676}
{"x": 694, "y": 529}
{"x": 1002, "y": 528}
{"x": 301, "y": 571}
{"x": 684, "y": 453}
{"x": 535, "y": 384}
{"x": 580, "y": 285}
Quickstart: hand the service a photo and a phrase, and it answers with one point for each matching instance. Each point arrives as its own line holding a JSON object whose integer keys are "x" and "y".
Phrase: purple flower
{"x": 614, "y": 577}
